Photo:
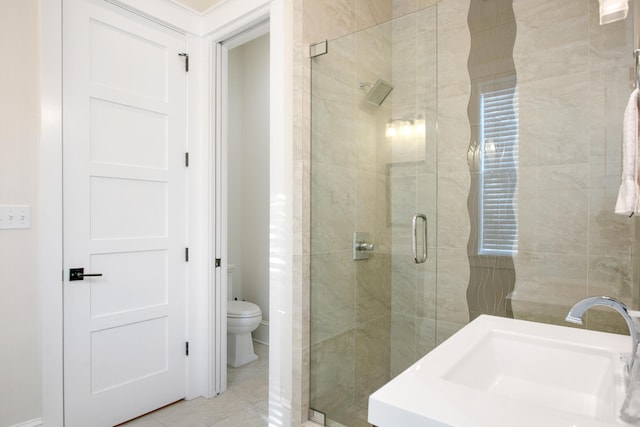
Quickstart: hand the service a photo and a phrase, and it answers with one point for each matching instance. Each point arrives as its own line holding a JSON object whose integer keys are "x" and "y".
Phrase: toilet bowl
{"x": 242, "y": 318}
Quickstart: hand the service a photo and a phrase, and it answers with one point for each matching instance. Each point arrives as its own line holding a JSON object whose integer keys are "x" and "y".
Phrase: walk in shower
{"x": 480, "y": 180}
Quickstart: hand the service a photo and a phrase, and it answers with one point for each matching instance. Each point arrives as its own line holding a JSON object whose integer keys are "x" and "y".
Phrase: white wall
{"x": 234, "y": 177}
{"x": 249, "y": 174}
{"x": 19, "y": 136}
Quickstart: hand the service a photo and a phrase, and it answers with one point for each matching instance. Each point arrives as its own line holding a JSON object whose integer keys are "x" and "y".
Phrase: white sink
{"x": 503, "y": 372}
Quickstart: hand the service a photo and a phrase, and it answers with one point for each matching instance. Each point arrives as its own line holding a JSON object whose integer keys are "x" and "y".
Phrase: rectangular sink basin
{"x": 505, "y": 372}
{"x": 558, "y": 375}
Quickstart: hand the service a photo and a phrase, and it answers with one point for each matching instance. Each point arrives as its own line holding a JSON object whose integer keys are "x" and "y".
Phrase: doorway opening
{"x": 242, "y": 168}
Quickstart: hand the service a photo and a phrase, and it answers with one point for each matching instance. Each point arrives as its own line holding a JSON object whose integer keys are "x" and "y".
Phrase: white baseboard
{"x": 32, "y": 423}
{"x": 261, "y": 334}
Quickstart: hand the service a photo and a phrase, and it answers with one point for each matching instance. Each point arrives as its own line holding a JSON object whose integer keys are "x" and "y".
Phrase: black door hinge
{"x": 218, "y": 262}
{"x": 186, "y": 348}
{"x": 186, "y": 254}
{"x": 186, "y": 60}
{"x": 186, "y": 159}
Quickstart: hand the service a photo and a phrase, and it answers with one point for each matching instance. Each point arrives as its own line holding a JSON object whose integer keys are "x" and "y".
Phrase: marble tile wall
{"x": 574, "y": 80}
{"x": 301, "y": 136}
{"x": 573, "y": 77}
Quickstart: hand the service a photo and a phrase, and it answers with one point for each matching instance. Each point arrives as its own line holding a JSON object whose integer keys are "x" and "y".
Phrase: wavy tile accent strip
{"x": 491, "y": 68}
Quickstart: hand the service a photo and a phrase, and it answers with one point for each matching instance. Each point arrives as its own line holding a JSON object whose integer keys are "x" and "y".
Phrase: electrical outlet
{"x": 14, "y": 217}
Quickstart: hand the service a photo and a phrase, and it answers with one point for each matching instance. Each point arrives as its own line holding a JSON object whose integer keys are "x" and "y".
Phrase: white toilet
{"x": 242, "y": 318}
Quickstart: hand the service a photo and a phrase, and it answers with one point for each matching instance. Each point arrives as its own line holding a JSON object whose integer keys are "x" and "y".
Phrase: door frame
{"x": 219, "y": 51}
{"x": 204, "y": 314}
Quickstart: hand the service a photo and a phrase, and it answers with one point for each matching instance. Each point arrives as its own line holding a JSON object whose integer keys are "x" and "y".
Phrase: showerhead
{"x": 378, "y": 92}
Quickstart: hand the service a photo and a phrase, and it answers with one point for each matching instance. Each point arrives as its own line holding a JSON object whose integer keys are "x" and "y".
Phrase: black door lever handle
{"x": 79, "y": 274}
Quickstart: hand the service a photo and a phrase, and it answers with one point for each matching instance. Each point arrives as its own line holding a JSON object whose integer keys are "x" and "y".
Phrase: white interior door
{"x": 124, "y": 143}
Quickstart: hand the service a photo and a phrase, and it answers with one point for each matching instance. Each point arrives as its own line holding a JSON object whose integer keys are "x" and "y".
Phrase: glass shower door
{"x": 373, "y": 171}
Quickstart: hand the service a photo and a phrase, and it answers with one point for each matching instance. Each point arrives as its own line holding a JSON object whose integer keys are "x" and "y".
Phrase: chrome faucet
{"x": 577, "y": 311}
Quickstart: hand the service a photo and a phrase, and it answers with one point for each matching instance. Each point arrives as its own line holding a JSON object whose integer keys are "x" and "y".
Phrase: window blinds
{"x": 498, "y": 202}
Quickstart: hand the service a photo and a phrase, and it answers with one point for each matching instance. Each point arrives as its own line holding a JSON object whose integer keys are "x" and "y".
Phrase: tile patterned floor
{"x": 245, "y": 404}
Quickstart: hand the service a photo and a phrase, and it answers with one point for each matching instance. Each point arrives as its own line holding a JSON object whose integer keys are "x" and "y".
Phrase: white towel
{"x": 629, "y": 194}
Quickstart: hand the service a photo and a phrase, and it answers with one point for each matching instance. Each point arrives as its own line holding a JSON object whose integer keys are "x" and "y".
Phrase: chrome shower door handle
{"x": 423, "y": 256}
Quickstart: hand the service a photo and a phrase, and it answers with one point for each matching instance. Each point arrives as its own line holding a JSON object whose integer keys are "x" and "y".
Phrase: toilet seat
{"x": 240, "y": 309}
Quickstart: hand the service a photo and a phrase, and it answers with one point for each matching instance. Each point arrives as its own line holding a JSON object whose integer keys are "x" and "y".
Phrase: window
{"x": 498, "y": 139}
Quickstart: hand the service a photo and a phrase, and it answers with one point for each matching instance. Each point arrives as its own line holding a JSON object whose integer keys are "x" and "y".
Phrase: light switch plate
{"x": 15, "y": 217}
